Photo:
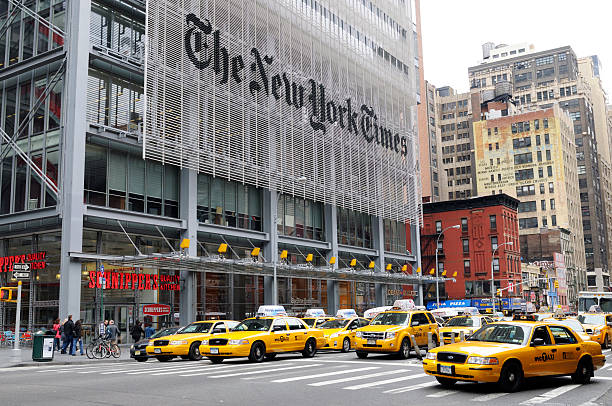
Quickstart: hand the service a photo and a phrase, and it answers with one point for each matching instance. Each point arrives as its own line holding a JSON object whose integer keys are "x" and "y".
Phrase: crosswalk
{"x": 389, "y": 378}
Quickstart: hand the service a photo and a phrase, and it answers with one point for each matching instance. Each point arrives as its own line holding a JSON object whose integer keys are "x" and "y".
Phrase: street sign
{"x": 21, "y": 275}
{"x": 156, "y": 309}
{"x": 21, "y": 267}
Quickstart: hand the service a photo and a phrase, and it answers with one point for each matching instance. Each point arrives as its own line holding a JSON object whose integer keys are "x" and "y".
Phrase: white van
{"x": 271, "y": 310}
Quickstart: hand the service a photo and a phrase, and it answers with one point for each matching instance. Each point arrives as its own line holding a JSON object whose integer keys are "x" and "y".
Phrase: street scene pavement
{"x": 327, "y": 379}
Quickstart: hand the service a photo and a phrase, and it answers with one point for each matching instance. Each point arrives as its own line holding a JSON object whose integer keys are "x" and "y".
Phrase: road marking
{"x": 213, "y": 370}
{"x": 355, "y": 361}
{"x": 384, "y": 382}
{"x": 545, "y": 397}
{"x": 341, "y": 372}
{"x": 192, "y": 368}
{"x": 137, "y": 369}
{"x": 606, "y": 378}
{"x": 65, "y": 368}
{"x": 259, "y": 371}
{"x": 164, "y": 369}
{"x": 374, "y": 375}
{"x": 489, "y": 397}
{"x": 442, "y": 394}
{"x": 411, "y": 388}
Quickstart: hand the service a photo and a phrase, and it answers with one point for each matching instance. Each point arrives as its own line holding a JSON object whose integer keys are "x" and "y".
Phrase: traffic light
{"x": 556, "y": 284}
{"x": 6, "y": 295}
{"x": 499, "y": 292}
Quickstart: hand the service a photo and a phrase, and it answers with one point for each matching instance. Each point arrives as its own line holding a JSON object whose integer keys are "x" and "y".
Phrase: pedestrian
{"x": 112, "y": 332}
{"x": 149, "y": 331}
{"x": 69, "y": 334}
{"x": 137, "y": 331}
{"x": 63, "y": 336}
{"x": 78, "y": 336}
{"x": 56, "y": 339}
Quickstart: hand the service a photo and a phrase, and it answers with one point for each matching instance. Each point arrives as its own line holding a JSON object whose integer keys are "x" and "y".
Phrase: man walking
{"x": 69, "y": 333}
{"x": 137, "y": 331}
{"x": 112, "y": 332}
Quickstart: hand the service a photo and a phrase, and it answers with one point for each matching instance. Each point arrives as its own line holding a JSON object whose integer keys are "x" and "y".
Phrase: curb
{"x": 48, "y": 363}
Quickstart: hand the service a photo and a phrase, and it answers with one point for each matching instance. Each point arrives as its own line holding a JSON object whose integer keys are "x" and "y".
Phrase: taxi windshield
{"x": 500, "y": 333}
{"x": 164, "y": 332}
{"x": 333, "y": 324}
{"x": 571, "y": 323}
{"x": 592, "y": 319}
{"x": 254, "y": 325}
{"x": 390, "y": 319}
{"x": 463, "y": 322}
{"x": 196, "y": 328}
{"x": 310, "y": 322}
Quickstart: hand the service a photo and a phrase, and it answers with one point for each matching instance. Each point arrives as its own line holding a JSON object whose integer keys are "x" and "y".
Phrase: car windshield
{"x": 164, "y": 332}
{"x": 571, "y": 323}
{"x": 463, "y": 322}
{"x": 310, "y": 322}
{"x": 501, "y": 333}
{"x": 333, "y": 324}
{"x": 196, "y": 328}
{"x": 254, "y": 325}
{"x": 592, "y": 319}
{"x": 390, "y": 319}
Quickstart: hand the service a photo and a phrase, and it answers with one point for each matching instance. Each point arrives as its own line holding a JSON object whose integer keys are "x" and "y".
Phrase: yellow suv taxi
{"x": 262, "y": 338}
{"x": 390, "y": 331}
{"x": 185, "y": 343}
{"x": 598, "y": 326}
{"x": 466, "y": 324}
{"x": 340, "y": 333}
{"x": 508, "y": 352}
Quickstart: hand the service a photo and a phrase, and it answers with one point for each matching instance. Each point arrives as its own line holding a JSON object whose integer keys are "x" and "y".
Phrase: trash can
{"x": 42, "y": 346}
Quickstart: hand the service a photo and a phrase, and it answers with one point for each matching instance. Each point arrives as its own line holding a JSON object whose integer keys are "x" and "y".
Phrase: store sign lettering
{"x": 37, "y": 260}
{"x": 133, "y": 281}
{"x": 360, "y": 120}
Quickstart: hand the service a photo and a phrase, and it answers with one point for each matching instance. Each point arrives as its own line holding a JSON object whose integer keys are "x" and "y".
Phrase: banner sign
{"x": 133, "y": 281}
{"x": 36, "y": 260}
{"x": 156, "y": 309}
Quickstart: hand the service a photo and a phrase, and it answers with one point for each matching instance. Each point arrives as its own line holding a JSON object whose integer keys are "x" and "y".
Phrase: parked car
{"x": 138, "y": 351}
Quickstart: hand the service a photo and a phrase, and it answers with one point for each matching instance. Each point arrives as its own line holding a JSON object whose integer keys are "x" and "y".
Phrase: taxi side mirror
{"x": 537, "y": 342}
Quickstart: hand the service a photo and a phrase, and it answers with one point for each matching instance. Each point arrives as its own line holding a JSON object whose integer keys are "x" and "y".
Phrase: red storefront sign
{"x": 133, "y": 281}
{"x": 156, "y": 309}
{"x": 37, "y": 260}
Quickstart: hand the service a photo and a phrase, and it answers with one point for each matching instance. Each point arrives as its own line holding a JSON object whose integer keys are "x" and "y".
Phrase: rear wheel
{"x": 216, "y": 360}
{"x": 258, "y": 352}
{"x": 362, "y": 354}
{"x": 346, "y": 345}
{"x": 141, "y": 359}
{"x": 404, "y": 351}
{"x": 194, "y": 351}
{"x": 115, "y": 351}
{"x": 583, "y": 372}
{"x": 164, "y": 358}
{"x": 446, "y": 382}
{"x": 310, "y": 349}
{"x": 511, "y": 377}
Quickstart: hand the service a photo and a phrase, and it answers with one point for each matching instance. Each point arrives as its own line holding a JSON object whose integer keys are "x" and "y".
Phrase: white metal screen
{"x": 234, "y": 88}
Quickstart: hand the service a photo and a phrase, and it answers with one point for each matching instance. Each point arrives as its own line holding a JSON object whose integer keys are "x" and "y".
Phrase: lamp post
{"x": 275, "y": 254}
{"x": 509, "y": 243}
{"x": 437, "y": 242}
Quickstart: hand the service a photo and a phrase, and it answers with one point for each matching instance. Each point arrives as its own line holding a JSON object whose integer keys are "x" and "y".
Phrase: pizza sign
{"x": 156, "y": 309}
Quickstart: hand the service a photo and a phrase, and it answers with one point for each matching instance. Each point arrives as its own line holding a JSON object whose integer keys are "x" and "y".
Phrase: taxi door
{"x": 298, "y": 334}
{"x": 433, "y": 326}
{"x": 541, "y": 354}
{"x": 608, "y": 327}
{"x": 568, "y": 349}
{"x": 419, "y": 324}
{"x": 280, "y": 336}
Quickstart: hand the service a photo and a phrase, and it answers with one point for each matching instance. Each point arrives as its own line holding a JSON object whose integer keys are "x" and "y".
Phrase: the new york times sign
{"x": 206, "y": 50}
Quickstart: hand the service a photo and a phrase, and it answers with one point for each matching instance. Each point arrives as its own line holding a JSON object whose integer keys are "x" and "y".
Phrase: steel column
{"x": 270, "y": 205}
{"x": 378, "y": 238}
{"x": 188, "y": 210}
{"x": 331, "y": 236}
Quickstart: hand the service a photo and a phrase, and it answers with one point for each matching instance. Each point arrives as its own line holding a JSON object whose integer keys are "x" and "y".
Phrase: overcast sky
{"x": 454, "y": 30}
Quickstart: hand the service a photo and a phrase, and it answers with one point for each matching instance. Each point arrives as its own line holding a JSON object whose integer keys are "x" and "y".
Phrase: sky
{"x": 454, "y": 30}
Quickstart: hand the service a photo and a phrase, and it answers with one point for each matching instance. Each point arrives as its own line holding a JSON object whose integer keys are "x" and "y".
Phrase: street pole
{"x": 436, "y": 265}
{"x": 16, "y": 350}
{"x": 510, "y": 243}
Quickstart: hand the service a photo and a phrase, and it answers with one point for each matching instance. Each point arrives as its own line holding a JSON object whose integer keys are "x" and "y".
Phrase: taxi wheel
{"x": 511, "y": 377}
{"x": 446, "y": 382}
{"x": 194, "y": 352}
{"x": 404, "y": 351}
{"x": 346, "y": 345}
{"x": 258, "y": 352}
{"x": 216, "y": 360}
{"x": 606, "y": 343}
{"x": 310, "y": 349}
{"x": 362, "y": 354}
{"x": 583, "y": 372}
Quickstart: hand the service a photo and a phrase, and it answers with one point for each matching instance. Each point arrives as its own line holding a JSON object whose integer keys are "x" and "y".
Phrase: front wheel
{"x": 89, "y": 351}
{"x": 511, "y": 377}
{"x": 404, "y": 351}
{"x": 446, "y": 382}
{"x": 258, "y": 352}
{"x": 310, "y": 349}
{"x": 346, "y": 345}
{"x": 194, "y": 352}
{"x": 361, "y": 354}
{"x": 583, "y": 372}
{"x": 115, "y": 351}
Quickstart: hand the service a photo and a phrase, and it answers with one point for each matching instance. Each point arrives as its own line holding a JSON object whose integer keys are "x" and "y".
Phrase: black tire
{"x": 446, "y": 382}
{"x": 511, "y": 377}
{"x": 194, "y": 352}
{"x": 258, "y": 352}
{"x": 346, "y": 345}
{"x": 362, "y": 354}
{"x": 310, "y": 349}
{"x": 141, "y": 359}
{"x": 584, "y": 371}
{"x": 606, "y": 343}
{"x": 270, "y": 356}
{"x": 164, "y": 358}
{"x": 404, "y": 350}
{"x": 216, "y": 360}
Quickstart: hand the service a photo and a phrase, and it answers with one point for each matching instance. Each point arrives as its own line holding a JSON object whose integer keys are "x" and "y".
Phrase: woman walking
{"x": 56, "y": 340}
{"x": 78, "y": 336}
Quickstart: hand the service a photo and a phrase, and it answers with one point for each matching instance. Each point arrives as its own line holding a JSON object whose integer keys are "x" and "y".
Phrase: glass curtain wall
{"x": 300, "y": 218}
{"x": 354, "y": 228}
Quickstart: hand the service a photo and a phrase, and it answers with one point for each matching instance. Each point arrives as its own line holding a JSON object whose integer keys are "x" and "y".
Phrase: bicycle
{"x": 102, "y": 348}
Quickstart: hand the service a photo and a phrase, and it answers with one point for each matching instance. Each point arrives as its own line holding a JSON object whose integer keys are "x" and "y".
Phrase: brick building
{"x": 485, "y": 224}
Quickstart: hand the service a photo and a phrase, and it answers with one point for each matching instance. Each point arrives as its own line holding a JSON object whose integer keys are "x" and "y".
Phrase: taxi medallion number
{"x": 214, "y": 351}
{"x": 157, "y": 350}
{"x": 446, "y": 369}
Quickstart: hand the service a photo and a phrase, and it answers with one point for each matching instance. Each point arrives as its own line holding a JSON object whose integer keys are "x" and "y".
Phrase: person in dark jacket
{"x": 78, "y": 336}
{"x": 137, "y": 331}
{"x": 69, "y": 334}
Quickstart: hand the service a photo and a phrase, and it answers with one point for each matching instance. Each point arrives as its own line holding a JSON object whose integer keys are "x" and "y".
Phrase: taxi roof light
{"x": 524, "y": 317}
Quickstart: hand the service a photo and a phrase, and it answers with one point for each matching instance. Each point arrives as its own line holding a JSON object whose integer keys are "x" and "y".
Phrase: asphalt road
{"x": 330, "y": 378}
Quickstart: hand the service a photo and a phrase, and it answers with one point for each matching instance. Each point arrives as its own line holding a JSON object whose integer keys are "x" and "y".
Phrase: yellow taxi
{"x": 185, "y": 343}
{"x": 466, "y": 324}
{"x": 340, "y": 333}
{"x": 262, "y": 338}
{"x": 315, "y": 322}
{"x": 508, "y": 352}
{"x": 389, "y": 332}
{"x": 598, "y": 326}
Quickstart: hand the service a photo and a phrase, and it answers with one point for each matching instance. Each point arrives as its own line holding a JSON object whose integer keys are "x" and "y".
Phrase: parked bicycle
{"x": 102, "y": 348}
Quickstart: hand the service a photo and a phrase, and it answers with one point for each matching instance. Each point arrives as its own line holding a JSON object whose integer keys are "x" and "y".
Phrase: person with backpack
{"x": 69, "y": 334}
{"x": 112, "y": 332}
{"x": 78, "y": 336}
{"x": 56, "y": 340}
{"x": 137, "y": 331}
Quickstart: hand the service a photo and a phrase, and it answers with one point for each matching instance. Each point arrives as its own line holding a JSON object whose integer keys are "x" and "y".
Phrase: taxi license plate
{"x": 214, "y": 351}
{"x": 371, "y": 342}
{"x": 446, "y": 369}
{"x": 136, "y": 352}
{"x": 157, "y": 350}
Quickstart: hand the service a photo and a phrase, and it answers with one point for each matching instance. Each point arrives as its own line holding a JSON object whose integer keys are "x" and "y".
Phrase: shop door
{"x": 123, "y": 315}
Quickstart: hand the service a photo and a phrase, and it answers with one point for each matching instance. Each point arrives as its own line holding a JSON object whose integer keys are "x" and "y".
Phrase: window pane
{"x": 154, "y": 179}
{"x": 95, "y": 175}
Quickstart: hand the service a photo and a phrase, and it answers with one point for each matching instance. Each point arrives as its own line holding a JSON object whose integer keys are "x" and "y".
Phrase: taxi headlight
{"x": 597, "y": 331}
{"x": 150, "y": 343}
{"x": 389, "y": 335}
{"x": 132, "y": 347}
{"x": 358, "y": 334}
{"x": 431, "y": 355}
{"x": 179, "y": 342}
{"x": 204, "y": 342}
{"x": 483, "y": 360}
{"x": 238, "y": 342}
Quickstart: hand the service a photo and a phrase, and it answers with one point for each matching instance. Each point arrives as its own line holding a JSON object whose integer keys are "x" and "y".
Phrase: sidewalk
{"x": 6, "y": 358}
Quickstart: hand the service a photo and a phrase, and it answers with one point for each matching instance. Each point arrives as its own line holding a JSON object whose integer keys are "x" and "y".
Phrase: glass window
{"x": 493, "y": 222}
{"x": 466, "y": 246}
{"x": 466, "y": 266}
{"x": 438, "y": 226}
{"x": 464, "y": 224}
{"x": 493, "y": 243}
